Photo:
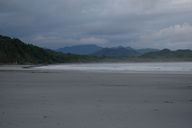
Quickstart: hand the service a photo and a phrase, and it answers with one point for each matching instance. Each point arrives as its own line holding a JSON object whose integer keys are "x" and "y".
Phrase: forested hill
{"x": 15, "y": 51}
{"x": 166, "y": 53}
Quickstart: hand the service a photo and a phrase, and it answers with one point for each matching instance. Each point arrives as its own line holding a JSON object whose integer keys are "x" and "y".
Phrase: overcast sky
{"x": 135, "y": 23}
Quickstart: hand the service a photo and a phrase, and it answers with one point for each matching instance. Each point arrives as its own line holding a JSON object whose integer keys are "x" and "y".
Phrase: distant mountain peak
{"x": 116, "y": 51}
{"x": 92, "y": 49}
{"x": 86, "y": 49}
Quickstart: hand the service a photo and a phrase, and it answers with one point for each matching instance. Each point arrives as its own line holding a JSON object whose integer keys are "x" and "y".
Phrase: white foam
{"x": 124, "y": 67}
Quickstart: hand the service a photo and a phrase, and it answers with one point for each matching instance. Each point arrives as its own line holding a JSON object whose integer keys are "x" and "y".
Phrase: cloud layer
{"x": 136, "y": 23}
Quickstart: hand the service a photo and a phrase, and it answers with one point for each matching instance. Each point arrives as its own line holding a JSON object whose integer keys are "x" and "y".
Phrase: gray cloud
{"x": 174, "y": 37}
{"x": 134, "y": 23}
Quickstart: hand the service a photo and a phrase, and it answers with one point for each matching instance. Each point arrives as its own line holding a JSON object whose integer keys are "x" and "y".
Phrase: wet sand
{"x": 77, "y": 99}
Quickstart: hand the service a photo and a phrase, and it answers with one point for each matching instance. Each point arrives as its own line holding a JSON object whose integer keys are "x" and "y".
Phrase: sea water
{"x": 124, "y": 67}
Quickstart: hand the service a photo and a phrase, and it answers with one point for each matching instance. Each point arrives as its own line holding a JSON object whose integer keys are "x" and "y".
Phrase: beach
{"x": 79, "y": 99}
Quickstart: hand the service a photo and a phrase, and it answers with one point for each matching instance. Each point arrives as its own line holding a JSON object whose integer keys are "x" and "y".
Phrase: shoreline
{"x": 72, "y": 99}
{"x": 40, "y": 68}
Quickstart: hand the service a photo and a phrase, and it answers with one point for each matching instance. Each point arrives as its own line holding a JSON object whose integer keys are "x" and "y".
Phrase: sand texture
{"x": 77, "y": 99}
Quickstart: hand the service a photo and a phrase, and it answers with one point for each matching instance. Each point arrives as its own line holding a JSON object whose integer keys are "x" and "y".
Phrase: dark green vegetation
{"x": 14, "y": 51}
{"x": 166, "y": 54}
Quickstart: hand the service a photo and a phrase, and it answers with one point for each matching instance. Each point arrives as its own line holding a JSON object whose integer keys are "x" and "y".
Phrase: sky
{"x": 136, "y": 23}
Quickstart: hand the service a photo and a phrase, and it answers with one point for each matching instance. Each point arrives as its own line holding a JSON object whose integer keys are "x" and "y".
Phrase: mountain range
{"x": 80, "y": 49}
{"x": 15, "y": 51}
{"x": 100, "y": 51}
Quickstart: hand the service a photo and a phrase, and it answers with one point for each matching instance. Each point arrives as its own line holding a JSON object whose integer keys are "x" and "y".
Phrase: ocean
{"x": 124, "y": 67}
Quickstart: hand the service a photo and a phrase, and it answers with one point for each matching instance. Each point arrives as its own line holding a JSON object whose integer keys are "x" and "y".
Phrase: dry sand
{"x": 74, "y": 99}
